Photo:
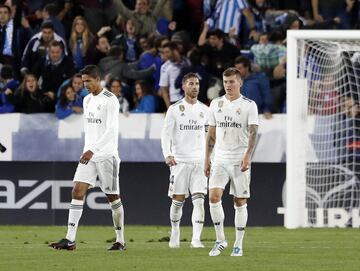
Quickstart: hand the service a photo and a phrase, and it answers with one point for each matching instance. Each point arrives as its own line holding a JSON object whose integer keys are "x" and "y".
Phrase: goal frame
{"x": 295, "y": 215}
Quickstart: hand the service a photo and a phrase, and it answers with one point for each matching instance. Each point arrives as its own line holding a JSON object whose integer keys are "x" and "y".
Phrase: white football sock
{"x": 118, "y": 219}
{"x": 176, "y": 214}
{"x": 241, "y": 216}
{"x": 75, "y": 212}
{"x": 218, "y": 216}
{"x": 198, "y": 215}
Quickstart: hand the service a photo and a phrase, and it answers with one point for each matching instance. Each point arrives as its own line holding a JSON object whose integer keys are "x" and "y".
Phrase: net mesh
{"x": 332, "y": 70}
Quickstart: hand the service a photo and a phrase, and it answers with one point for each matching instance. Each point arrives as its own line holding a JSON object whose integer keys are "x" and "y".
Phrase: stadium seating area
{"x": 151, "y": 43}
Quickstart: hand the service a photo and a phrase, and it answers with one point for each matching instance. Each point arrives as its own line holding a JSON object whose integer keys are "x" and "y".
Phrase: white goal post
{"x": 323, "y": 133}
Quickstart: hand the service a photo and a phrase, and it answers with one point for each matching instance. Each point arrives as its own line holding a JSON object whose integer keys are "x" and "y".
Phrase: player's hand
{"x": 245, "y": 163}
{"x": 207, "y": 168}
{"x": 170, "y": 161}
{"x": 86, "y": 156}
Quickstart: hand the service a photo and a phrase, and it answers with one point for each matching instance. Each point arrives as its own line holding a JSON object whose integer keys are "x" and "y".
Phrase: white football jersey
{"x": 232, "y": 119}
{"x": 183, "y": 133}
{"x": 101, "y": 125}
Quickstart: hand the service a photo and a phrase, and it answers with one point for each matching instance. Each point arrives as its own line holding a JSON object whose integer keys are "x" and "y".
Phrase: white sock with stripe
{"x": 218, "y": 216}
{"x": 118, "y": 219}
{"x": 198, "y": 215}
{"x": 241, "y": 216}
{"x": 75, "y": 212}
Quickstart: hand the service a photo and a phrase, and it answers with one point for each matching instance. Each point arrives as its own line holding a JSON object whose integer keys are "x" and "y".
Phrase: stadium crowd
{"x": 144, "y": 47}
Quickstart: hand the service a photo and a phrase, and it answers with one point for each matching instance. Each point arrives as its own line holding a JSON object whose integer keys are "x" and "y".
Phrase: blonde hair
{"x": 86, "y": 36}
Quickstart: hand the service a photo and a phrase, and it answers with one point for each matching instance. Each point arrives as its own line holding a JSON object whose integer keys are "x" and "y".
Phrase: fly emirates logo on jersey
{"x": 192, "y": 125}
{"x": 228, "y": 122}
{"x": 91, "y": 119}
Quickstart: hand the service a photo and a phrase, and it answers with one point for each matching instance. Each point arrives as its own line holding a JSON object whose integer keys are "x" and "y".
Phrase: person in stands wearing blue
{"x": 7, "y": 91}
{"x": 69, "y": 102}
{"x": 256, "y": 86}
{"x": 144, "y": 101}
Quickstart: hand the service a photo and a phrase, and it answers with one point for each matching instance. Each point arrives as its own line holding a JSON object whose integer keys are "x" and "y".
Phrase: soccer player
{"x": 183, "y": 146}
{"x": 100, "y": 158}
{"x": 233, "y": 126}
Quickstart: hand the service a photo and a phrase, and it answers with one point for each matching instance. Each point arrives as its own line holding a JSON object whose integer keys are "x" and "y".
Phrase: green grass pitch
{"x": 268, "y": 248}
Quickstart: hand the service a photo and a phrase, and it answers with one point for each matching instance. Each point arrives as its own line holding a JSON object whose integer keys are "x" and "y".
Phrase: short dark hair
{"x": 91, "y": 70}
{"x": 188, "y": 76}
{"x": 232, "y": 71}
{"x": 244, "y": 61}
{"x": 115, "y": 51}
{"x": 7, "y": 72}
{"x": 7, "y": 7}
{"x": 218, "y": 33}
{"x": 51, "y": 9}
{"x": 171, "y": 45}
{"x": 55, "y": 43}
{"x": 47, "y": 25}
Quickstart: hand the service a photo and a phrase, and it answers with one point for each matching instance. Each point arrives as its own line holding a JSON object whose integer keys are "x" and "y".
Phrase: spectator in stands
{"x": 49, "y": 13}
{"x": 219, "y": 54}
{"x": 269, "y": 52}
{"x": 199, "y": 69}
{"x": 54, "y": 69}
{"x": 77, "y": 84}
{"x": 160, "y": 41}
{"x": 255, "y": 86}
{"x": 99, "y": 47}
{"x": 68, "y": 103}
{"x": 182, "y": 40}
{"x": 116, "y": 88}
{"x": 12, "y": 37}
{"x": 327, "y": 10}
{"x": 228, "y": 15}
{"x": 36, "y": 48}
{"x": 8, "y": 90}
{"x": 144, "y": 18}
{"x": 98, "y": 13}
{"x": 170, "y": 70}
{"x": 150, "y": 57}
{"x": 29, "y": 98}
{"x": 128, "y": 41}
{"x": 115, "y": 65}
{"x": 144, "y": 101}
{"x": 80, "y": 40}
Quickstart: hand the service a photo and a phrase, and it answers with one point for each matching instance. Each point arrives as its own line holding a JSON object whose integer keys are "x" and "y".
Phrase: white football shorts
{"x": 221, "y": 174}
{"x": 107, "y": 171}
{"x": 185, "y": 177}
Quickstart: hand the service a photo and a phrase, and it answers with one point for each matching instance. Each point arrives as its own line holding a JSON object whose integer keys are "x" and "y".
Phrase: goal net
{"x": 323, "y": 129}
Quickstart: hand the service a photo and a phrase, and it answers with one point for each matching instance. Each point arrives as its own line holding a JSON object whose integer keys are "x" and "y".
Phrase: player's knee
{"x": 214, "y": 198}
{"x": 239, "y": 201}
{"x": 77, "y": 193}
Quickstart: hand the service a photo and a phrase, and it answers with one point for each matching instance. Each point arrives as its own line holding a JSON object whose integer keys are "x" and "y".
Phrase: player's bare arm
{"x": 210, "y": 143}
{"x": 245, "y": 163}
{"x": 86, "y": 157}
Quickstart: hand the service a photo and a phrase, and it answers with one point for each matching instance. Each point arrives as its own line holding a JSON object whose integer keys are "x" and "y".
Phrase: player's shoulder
{"x": 219, "y": 101}
{"x": 107, "y": 94}
{"x": 246, "y": 99}
{"x": 202, "y": 105}
{"x": 179, "y": 103}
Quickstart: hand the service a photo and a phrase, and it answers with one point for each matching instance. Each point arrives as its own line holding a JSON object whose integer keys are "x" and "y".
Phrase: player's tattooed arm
{"x": 252, "y": 138}
{"x": 210, "y": 143}
{"x": 210, "y": 138}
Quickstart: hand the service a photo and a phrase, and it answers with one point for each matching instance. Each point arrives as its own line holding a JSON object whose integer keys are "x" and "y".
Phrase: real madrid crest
{"x": 238, "y": 111}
